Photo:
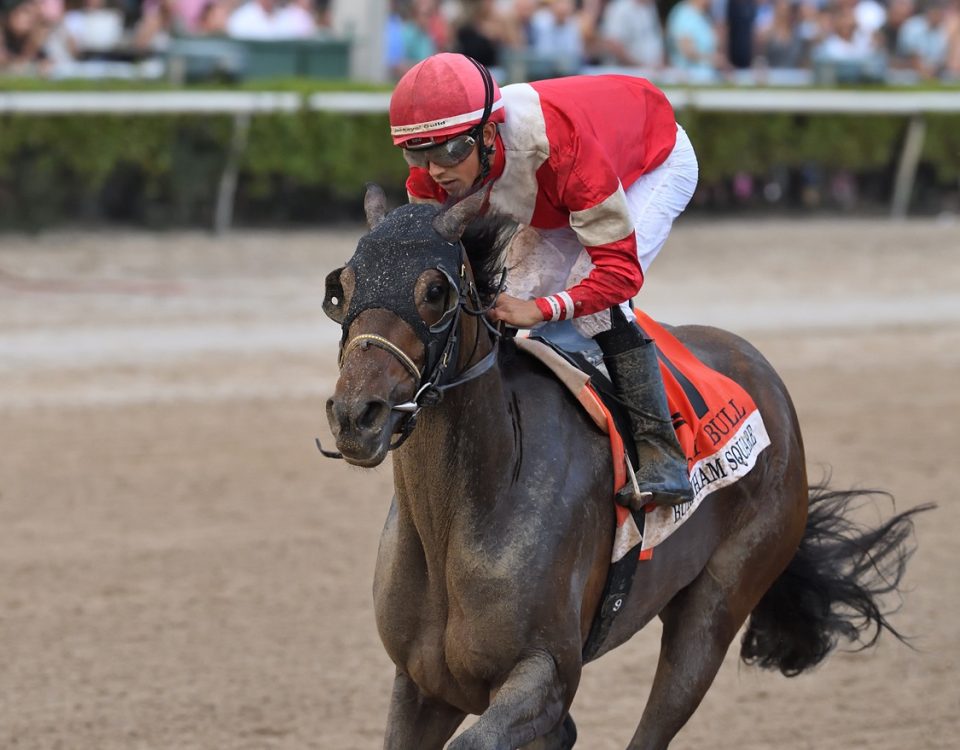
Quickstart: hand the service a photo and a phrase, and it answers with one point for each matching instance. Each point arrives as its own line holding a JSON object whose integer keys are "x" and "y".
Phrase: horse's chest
{"x": 453, "y": 645}
{"x": 458, "y": 660}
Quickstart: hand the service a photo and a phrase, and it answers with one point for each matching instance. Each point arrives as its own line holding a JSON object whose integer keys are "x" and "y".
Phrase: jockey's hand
{"x": 516, "y": 312}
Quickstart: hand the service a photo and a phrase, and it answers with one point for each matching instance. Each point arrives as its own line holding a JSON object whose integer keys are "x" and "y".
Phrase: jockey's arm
{"x": 600, "y": 217}
{"x": 615, "y": 278}
{"x": 590, "y": 189}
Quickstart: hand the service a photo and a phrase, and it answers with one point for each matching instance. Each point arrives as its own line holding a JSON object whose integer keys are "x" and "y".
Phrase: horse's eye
{"x": 435, "y": 293}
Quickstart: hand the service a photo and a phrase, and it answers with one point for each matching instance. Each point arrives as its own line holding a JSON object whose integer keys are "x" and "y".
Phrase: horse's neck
{"x": 458, "y": 460}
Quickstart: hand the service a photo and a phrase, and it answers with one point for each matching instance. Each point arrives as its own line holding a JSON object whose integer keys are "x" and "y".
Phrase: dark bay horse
{"x": 498, "y": 542}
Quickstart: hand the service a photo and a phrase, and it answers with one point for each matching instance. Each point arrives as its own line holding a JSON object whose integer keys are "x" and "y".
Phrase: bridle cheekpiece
{"x": 387, "y": 264}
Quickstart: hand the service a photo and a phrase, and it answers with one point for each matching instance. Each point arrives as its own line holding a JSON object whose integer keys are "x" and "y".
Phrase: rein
{"x": 430, "y": 388}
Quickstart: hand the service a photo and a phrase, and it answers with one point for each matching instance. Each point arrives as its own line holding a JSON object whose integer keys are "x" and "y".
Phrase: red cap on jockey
{"x": 438, "y": 98}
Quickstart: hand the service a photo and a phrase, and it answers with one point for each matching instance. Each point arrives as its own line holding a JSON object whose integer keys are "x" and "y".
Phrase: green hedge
{"x": 730, "y": 142}
{"x": 309, "y": 166}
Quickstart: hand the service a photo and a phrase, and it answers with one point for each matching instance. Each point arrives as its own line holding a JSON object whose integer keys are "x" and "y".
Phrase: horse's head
{"x": 398, "y": 301}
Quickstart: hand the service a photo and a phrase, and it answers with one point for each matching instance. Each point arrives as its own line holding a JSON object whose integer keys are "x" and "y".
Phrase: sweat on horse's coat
{"x": 495, "y": 551}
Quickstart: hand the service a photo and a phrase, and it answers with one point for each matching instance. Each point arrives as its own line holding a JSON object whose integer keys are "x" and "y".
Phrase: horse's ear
{"x": 451, "y": 223}
{"x": 375, "y": 205}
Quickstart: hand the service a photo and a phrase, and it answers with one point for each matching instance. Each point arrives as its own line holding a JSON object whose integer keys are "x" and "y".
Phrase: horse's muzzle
{"x": 362, "y": 428}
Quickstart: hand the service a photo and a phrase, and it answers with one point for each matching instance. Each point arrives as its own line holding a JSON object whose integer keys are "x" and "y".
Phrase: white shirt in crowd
{"x": 855, "y": 49}
{"x": 636, "y": 25}
{"x": 94, "y": 29}
{"x": 558, "y": 38}
{"x": 267, "y": 19}
{"x": 930, "y": 43}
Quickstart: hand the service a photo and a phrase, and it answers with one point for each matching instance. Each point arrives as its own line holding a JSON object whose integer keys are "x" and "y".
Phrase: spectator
{"x": 94, "y": 28}
{"x": 898, "y": 11}
{"x": 558, "y": 37}
{"x": 213, "y": 17}
{"x": 780, "y": 44}
{"x": 763, "y": 18}
{"x": 924, "y": 40}
{"x": 269, "y": 20}
{"x": 23, "y": 35}
{"x": 589, "y": 13}
{"x": 428, "y": 15}
{"x": 692, "y": 39}
{"x": 632, "y": 34}
{"x": 301, "y": 18}
{"x": 952, "y": 71}
{"x": 870, "y": 15}
{"x": 813, "y": 25}
{"x": 50, "y": 12}
{"x": 849, "y": 52}
{"x": 482, "y": 31}
{"x": 393, "y": 40}
{"x": 58, "y": 46}
{"x": 408, "y": 39}
{"x": 522, "y": 22}
{"x": 322, "y": 13}
{"x": 186, "y": 13}
{"x": 158, "y": 22}
{"x": 740, "y": 15}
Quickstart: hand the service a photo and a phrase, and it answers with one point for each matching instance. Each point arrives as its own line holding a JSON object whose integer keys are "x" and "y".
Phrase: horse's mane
{"x": 485, "y": 240}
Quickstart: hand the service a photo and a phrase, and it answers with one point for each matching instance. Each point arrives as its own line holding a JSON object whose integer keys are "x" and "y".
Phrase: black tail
{"x": 832, "y": 587}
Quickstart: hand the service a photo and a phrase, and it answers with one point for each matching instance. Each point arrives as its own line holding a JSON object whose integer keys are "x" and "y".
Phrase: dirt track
{"x": 180, "y": 569}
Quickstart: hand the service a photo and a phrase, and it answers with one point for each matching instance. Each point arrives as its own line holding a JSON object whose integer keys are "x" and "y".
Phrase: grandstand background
{"x": 307, "y": 164}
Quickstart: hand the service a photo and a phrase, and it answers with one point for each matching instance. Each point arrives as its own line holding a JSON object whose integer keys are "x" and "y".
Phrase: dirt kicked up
{"x": 179, "y": 568}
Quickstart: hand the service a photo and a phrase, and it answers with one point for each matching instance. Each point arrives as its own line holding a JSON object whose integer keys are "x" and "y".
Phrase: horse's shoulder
{"x": 519, "y": 367}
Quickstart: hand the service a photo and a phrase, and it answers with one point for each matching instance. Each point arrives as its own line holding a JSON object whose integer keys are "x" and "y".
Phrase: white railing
{"x": 242, "y": 105}
{"x": 148, "y": 102}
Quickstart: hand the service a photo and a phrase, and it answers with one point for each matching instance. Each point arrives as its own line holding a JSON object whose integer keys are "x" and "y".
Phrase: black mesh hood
{"x": 391, "y": 258}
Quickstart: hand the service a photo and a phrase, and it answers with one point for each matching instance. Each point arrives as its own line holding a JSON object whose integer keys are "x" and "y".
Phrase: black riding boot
{"x": 631, "y": 360}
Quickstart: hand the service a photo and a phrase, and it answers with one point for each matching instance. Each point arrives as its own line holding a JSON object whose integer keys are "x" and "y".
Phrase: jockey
{"x": 595, "y": 169}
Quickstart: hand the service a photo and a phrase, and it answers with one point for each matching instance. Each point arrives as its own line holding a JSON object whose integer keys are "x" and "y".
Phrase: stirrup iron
{"x": 630, "y": 495}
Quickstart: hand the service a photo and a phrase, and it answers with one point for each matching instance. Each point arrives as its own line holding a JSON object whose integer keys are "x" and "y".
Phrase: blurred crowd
{"x": 38, "y": 35}
{"x": 689, "y": 40}
{"x": 670, "y": 41}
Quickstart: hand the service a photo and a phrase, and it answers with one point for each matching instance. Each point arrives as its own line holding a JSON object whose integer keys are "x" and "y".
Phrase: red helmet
{"x": 439, "y": 97}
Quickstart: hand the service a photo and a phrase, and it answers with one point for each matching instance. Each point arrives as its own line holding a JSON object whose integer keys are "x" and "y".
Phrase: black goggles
{"x": 446, "y": 154}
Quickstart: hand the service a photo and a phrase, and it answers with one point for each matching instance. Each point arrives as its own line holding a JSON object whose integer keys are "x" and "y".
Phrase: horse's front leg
{"x": 416, "y": 722}
{"x": 528, "y": 704}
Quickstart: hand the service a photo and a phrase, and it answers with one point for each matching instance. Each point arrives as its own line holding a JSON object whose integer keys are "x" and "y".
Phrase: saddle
{"x": 718, "y": 426}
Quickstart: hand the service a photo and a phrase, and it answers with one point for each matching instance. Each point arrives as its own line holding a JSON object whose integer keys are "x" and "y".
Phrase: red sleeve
{"x": 421, "y": 185}
{"x": 615, "y": 278}
{"x": 590, "y": 190}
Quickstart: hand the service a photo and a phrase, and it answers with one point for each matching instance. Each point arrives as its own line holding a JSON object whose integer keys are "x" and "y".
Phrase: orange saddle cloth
{"x": 718, "y": 425}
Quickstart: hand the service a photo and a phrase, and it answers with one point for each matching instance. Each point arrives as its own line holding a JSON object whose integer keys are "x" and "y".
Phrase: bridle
{"x": 436, "y": 378}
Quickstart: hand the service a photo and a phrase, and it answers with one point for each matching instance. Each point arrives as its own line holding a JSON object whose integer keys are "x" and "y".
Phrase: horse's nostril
{"x": 370, "y": 414}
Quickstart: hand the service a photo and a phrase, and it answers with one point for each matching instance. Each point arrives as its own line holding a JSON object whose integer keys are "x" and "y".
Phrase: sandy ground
{"x": 179, "y": 568}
